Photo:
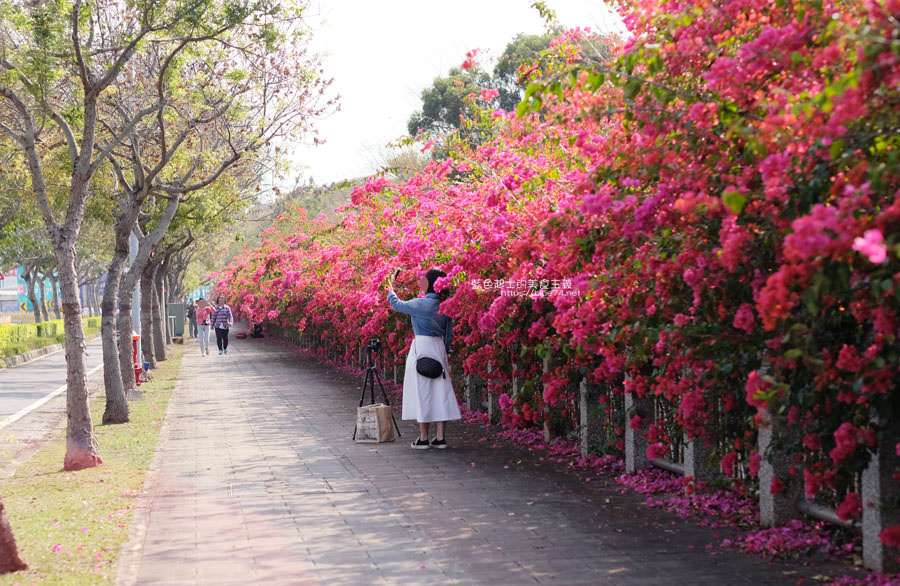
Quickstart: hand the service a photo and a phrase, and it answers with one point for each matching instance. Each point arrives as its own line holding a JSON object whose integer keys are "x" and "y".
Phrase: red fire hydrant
{"x": 137, "y": 366}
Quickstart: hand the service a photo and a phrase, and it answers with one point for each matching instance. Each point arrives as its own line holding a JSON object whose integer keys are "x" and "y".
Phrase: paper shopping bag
{"x": 385, "y": 423}
{"x": 374, "y": 424}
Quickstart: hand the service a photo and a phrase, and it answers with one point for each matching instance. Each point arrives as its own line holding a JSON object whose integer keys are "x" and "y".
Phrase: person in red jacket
{"x": 204, "y": 315}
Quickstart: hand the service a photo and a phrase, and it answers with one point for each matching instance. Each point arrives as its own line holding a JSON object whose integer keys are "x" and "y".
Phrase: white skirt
{"x": 428, "y": 399}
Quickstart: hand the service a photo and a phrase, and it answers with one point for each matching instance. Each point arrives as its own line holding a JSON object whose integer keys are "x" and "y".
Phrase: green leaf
{"x": 837, "y": 147}
{"x": 595, "y": 80}
{"x": 522, "y": 108}
{"x": 811, "y": 300}
{"x": 734, "y": 200}
{"x": 532, "y": 89}
{"x": 632, "y": 88}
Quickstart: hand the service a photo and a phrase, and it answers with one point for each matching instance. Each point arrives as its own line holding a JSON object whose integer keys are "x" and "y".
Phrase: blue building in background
{"x": 201, "y": 291}
{"x": 24, "y": 304}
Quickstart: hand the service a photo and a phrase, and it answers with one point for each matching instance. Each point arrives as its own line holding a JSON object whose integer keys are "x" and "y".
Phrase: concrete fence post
{"x": 489, "y": 396}
{"x": 590, "y": 420}
{"x": 515, "y": 380}
{"x": 547, "y": 434}
{"x": 636, "y": 438}
{"x": 697, "y": 463}
{"x": 775, "y": 508}
{"x": 881, "y": 508}
{"x": 583, "y": 418}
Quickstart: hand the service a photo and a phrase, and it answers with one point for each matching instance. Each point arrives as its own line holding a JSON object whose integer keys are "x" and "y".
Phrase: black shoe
{"x": 438, "y": 444}
{"x": 420, "y": 444}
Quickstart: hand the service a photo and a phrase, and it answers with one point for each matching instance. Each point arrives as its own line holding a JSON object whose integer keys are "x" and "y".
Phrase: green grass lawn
{"x": 70, "y": 526}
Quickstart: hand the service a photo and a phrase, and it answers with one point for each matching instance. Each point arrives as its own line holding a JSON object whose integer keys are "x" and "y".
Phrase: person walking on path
{"x": 203, "y": 314}
{"x": 191, "y": 313}
{"x": 427, "y": 400}
{"x": 222, "y": 320}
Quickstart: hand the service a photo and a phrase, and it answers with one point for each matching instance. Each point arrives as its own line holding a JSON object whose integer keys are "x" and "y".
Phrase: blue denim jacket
{"x": 426, "y": 321}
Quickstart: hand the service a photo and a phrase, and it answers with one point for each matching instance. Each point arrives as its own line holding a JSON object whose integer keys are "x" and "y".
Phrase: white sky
{"x": 383, "y": 53}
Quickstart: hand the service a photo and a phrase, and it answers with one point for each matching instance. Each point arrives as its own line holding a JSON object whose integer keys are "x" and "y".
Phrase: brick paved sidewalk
{"x": 257, "y": 482}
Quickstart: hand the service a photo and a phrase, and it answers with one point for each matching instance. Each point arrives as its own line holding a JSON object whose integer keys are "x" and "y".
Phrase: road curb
{"x": 20, "y": 359}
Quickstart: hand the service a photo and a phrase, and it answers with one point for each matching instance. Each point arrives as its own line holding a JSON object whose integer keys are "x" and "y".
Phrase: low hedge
{"x": 19, "y": 338}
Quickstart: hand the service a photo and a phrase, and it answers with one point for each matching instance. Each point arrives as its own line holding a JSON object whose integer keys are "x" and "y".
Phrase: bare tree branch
{"x": 18, "y": 138}
{"x": 34, "y": 161}
{"x": 67, "y": 132}
{"x": 125, "y": 132}
{"x": 76, "y": 43}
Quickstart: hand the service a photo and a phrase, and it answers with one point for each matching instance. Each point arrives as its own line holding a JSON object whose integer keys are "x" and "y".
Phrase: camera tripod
{"x": 369, "y": 382}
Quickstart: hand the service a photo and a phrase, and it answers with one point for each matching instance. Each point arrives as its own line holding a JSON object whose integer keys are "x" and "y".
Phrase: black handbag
{"x": 429, "y": 367}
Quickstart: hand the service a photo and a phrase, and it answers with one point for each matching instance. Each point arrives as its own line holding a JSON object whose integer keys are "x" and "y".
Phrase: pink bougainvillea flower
{"x": 630, "y": 243}
{"x": 754, "y": 386}
{"x": 777, "y": 486}
{"x": 744, "y": 318}
{"x": 753, "y": 464}
{"x": 488, "y": 94}
{"x": 846, "y": 440}
{"x": 656, "y": 451}
{"x": 890, "y": 536}
{"x": 470, "y": 62}
{"x": 728, "y": 463}
{"x": 872, "y": 245}
{"x": 851, "y": 507}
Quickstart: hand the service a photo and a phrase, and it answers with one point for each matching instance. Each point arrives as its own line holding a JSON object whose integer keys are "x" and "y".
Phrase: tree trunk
{"x": 166, "y": 301}
{"x": 85, "y": 306}
{"x": 28, "y": 275}
{"x": 116, "y": 405}
{"x": 9, "y": 552}
{"x": 147, "y": 316}
{"x": 81, "y": 445}
{"x": 132, "y": 279}
{"x": 42, "y": 282}
{"x": 95, "y": 302}
{"x": 54, "y": 283}
{"x": 126, "y": 330}
{"x": 159, "y": 315}
{"x": 90, "y": 299}
{"x": 129, "y": 283}
{"x": 176, "y": 278}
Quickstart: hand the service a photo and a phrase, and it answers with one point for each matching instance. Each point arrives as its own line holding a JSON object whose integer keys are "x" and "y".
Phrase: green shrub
{"x": 19, "y": 338}
{"x": 18, "y": 333}
{"x": 49, "y": 329}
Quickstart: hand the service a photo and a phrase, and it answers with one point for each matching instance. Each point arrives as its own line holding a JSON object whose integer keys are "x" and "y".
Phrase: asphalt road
{"x": 30, "y": 385}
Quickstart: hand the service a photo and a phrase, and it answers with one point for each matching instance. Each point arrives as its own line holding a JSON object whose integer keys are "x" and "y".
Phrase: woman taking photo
{"x": 427, "y": 400}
